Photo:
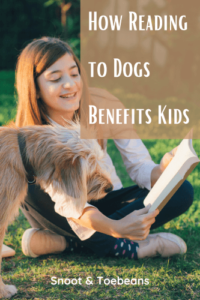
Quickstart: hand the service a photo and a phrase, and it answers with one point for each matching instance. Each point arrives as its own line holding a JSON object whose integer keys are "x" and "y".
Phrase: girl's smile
{"x": 69, "y": 96}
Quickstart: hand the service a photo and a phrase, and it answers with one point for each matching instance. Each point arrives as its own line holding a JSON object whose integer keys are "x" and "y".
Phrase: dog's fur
{"x": 62, "y": 163}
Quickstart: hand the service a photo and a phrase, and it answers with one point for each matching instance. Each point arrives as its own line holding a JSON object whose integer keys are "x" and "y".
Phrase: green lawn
{"x": 174, "y": 278}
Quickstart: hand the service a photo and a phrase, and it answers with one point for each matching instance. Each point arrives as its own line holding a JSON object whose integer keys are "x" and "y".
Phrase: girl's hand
{"x": 157, "y": 171}
{"x": 136, "y": 225}
{"x": 167, "y": 158}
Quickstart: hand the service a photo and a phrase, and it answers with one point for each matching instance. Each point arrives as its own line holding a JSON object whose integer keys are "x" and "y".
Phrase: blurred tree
{"x": 64, "y": 8}
{"x": 70, "y": 20}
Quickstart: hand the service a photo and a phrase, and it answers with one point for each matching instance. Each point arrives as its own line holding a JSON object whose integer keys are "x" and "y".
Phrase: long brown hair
{"x": 32, "y": 62}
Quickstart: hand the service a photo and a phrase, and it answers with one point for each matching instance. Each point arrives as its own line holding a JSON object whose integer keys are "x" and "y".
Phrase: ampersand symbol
{"x": 89, "y": 281}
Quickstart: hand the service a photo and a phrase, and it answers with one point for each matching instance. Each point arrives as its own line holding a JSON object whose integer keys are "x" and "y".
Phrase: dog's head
{"x": 79, "y": 168}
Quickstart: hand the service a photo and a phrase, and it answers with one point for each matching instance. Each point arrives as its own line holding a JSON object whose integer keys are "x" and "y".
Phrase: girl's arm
{"x": 137, "y": 161}
{"x": 135, "y": 226}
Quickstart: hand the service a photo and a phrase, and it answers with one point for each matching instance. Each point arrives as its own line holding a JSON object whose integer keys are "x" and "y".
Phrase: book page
{"x": 175, "y": 172}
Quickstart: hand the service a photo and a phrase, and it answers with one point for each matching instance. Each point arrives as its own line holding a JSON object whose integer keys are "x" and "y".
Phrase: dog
{"x": 62, "y": 163}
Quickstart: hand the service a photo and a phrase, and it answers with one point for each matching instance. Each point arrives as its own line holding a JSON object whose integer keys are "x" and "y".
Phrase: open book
{"x": 182, "y": 164}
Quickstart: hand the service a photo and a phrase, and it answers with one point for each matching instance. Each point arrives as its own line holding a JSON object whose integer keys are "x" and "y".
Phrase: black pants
{"x": 39, "y": 211}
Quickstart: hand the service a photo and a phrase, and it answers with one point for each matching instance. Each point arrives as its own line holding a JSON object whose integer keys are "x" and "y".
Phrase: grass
{"x": 174, "y": 278}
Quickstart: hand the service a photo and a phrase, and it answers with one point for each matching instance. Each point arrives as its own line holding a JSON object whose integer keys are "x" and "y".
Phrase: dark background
{"x": 22, "y": 21}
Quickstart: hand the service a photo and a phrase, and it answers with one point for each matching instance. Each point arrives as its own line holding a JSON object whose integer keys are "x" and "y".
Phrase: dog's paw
{"x": 7, "y": 291}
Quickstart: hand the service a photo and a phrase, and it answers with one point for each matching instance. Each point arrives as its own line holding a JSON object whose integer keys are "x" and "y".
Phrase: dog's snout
{"x": 109, "y": 188}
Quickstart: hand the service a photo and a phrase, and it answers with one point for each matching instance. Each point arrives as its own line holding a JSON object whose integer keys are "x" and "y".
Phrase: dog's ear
{"x": 73, "y": 185}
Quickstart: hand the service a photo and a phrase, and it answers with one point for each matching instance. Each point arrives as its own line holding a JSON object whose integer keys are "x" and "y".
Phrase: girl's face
{"x": 60, "y": 87}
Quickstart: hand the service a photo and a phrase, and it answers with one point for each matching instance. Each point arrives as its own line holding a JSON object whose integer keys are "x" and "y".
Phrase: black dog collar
{"x": 28, "y": 167}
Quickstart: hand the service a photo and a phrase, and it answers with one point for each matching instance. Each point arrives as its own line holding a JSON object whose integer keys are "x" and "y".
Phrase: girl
{"x": 50, "y": 89}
